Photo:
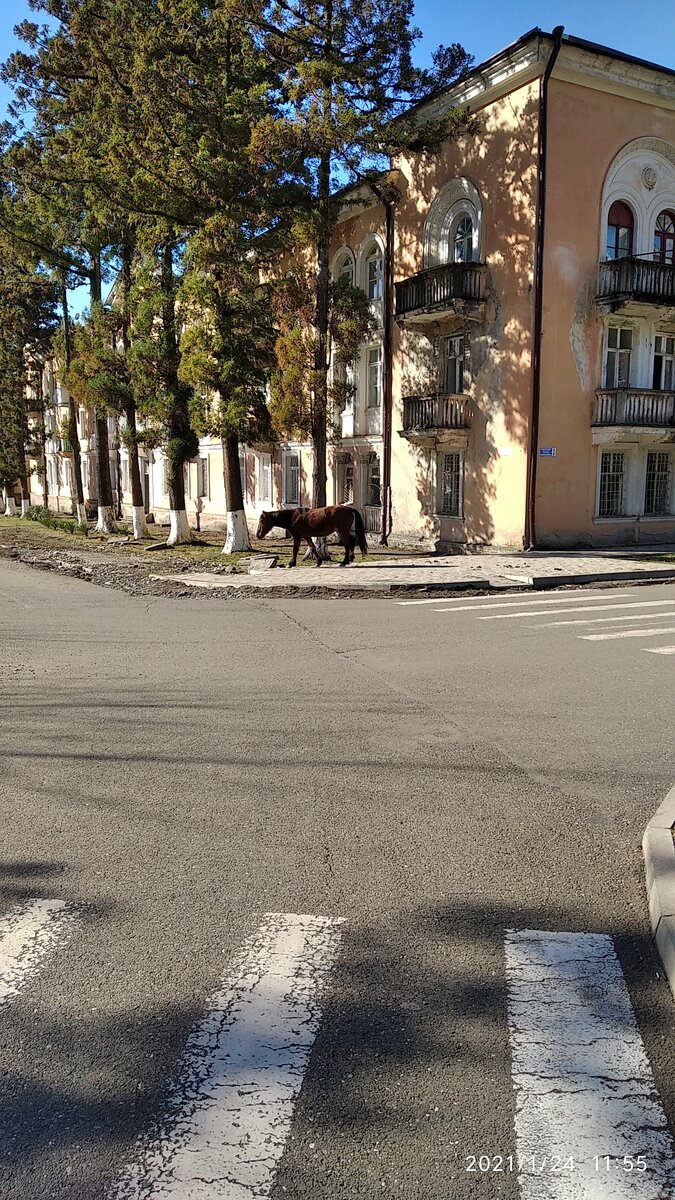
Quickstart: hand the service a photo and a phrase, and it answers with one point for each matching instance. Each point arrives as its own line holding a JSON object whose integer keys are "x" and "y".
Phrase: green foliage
{"x": 44, "y": 516}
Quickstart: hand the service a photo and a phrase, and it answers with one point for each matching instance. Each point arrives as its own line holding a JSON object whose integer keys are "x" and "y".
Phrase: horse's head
{"x": 264, "y": 524}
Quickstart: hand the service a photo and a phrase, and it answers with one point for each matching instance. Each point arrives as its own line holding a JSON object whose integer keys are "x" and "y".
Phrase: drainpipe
{"x": 387, "y": 340}
{"x": 530, "y": 538}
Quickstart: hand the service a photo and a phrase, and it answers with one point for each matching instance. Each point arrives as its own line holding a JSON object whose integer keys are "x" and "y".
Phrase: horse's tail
{"x": 360, "y": 531}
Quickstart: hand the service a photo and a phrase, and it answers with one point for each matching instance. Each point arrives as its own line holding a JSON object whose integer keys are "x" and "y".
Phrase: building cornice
{"x": 618, "y": 76}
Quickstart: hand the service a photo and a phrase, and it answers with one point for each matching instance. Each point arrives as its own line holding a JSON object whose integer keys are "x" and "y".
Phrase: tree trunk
{"x": 237, "y": 527}
{"x": 106, "y": 516}
{"x": 9, "y": 507}
{"x": 320, "y": 389}
{"x": 73, "y": 434}
{"x": 138, "y": 521}
{"x": 43, "y": 439}
{"x": 179, "y": 416}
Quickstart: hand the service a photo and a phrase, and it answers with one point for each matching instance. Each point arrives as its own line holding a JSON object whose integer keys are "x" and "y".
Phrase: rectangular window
{"x": 658, "y": 483}
{"x": 291, "y": 478}
{"x": 374, "y": 374}
{"x": 263, "y": 464}
{"x": 612, "y": 483}
{"x": 66, "y": 472}
{"x": 451, "y": 381}
{"x": 664, "y": 364}
{"x": 165, "y": 477}
{"x": 617, "y": 363}
{"x": 203, "y": 476}
{"x": 84, "y": 464}
{"x": 345, "y": 479}
{"x": 373, "y": 497}
{"x": 450, "y": 484}
{"x": 51, "y": 475}
{"x": 124, "y": 471}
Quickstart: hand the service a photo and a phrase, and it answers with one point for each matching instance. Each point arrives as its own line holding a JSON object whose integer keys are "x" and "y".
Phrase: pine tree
{"x": 347, "y": 84}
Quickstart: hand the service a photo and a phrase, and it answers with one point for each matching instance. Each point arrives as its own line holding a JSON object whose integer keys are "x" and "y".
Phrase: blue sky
{"x": 645, "y": 28}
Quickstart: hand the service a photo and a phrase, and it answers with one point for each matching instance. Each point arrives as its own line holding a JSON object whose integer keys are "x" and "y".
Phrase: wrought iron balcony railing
{"x": 435, "y": 412}
{"x": 634, "y": 406}
{"x": 438, "y": 288}
{"x": 639, "y": 279}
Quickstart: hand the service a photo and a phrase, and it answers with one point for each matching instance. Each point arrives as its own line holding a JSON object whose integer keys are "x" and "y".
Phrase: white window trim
{"x": 366, "y": 355}
{"x": 458, "y": 197}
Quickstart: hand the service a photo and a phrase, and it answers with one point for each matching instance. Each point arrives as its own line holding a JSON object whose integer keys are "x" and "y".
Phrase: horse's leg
{"x": 345, "y": 561}
{"x": 296, "y": 547}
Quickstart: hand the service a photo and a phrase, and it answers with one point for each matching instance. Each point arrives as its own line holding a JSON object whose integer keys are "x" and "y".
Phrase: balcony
{"x": 436, "y": 418}
{"x": 635, "y": 281}
{"x": 636, "y": 408}
{"x": 446, "y": 289}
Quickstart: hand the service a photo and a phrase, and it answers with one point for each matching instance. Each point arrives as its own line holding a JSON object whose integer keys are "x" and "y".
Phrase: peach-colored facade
{"x": 485, "y": 277}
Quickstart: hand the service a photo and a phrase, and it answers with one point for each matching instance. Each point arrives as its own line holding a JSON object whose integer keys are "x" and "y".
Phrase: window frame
{"x": 611, "y": 253}
{"x": 666, "y": 253}
{"x": 374, "y": 257}
{"x": 625, "y": 482}
{"x": 287, "y": 458}
{"x": 377, "y": 403}
{"x": 459, "y": 372}
{"x": 440, "y": 491}
{"x": 263, "y": 475}
{"x": 615, "y": 352}
{"x": 657, "y": 513}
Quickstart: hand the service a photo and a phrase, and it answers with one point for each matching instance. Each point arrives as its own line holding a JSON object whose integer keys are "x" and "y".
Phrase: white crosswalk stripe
{"x": 657, "y": 616}
{"x": 230, "y": 1112}
{"x": 624, "y": 608}
{"x": 625, "y": 633}
{"x": 585, "y": 1094}
{"x": 519, "y": 616}
{"x": 29, "y": 934}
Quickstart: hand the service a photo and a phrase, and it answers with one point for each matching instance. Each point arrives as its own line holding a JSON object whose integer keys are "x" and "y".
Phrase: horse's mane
{"x": 282, "y": 517}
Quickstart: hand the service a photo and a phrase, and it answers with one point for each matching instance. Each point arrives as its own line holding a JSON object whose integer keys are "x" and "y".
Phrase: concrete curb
{"x": 543, "y": 581}
{"x": 658, "y": 848}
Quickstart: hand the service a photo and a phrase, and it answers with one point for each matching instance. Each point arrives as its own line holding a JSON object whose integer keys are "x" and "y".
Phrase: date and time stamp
{"x": 554, "y": 1164}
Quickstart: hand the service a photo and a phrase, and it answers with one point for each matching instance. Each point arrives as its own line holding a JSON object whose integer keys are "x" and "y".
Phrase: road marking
{"x": 509, "y": 600}
{"x": 660, "y": 649}
{"x": 28, "y": 934}
{"x": 582, "y": 608}
{"x": 228, "y": 1115}
{"x": 571, "y": 600}
{"x": 584, "y": 1087}
{"x": 658, "y": 616}
{"x": 624, "y": 633}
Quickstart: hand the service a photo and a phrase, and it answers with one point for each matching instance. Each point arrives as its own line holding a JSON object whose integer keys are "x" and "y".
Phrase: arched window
{"x": 374, "y": 274}
{"x": 619, "y": 231}
{"x": 664, "y": 238}
{"x": 344, "y": 268}
{"x": 461, "y": 239}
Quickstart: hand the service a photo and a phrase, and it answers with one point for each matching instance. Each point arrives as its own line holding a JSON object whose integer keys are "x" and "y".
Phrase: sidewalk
{"x": 501, "y": 570}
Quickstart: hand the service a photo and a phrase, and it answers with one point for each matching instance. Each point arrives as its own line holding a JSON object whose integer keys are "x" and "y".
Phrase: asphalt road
{"x": 175, "y": 769}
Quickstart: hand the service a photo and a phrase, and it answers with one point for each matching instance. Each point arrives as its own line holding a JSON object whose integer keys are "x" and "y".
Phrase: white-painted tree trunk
{"x": 138, "y": 522}
{"x": 106, "y": 519}
{"x": 81, "y": 513}
{"x": 237, "y": 533}
{"x": 179, "y": 529}
{"x": 25, "y": 505}
{"x": 10, "y": 506}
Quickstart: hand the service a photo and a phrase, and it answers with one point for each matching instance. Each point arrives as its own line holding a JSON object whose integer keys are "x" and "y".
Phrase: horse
{"x": 309, "y": 523}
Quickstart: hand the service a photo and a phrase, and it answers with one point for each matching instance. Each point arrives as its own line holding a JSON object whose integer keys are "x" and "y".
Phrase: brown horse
{"x": 309, "y": 523}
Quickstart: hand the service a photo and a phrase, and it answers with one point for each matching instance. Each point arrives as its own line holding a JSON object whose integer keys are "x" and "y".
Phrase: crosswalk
{"x": 603, "y": 616}
{"x": 589, "y": 1123}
